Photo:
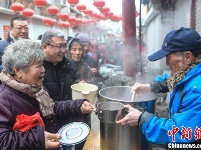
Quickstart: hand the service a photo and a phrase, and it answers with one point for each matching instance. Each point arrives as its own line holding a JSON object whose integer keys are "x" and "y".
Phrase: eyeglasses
{"x": 60, "y": 47}
{"x": 22, "y": 28}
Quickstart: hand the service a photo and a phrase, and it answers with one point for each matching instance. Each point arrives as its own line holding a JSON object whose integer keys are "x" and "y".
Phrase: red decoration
{"x": 63, "y": 24}
{"x": 105, "y": 9}
{"x": 94, "y": 15}
{"x": 48, "y": 21}
{"x": 109, "y": 14}
{"x": 52, "y": 10}
{"x": 102, "y": 17}
{"x": 73, "y": 2}
{"x": 27, "y": 12}
{"x": 81, "y": 7}
{"x": 63, "y": 16}
{"x": 71, "y": 19}
{"x": 99, "y": 3}
{"x": 17, "y": 7}
{"x": 116, "y": 18}
{"x": 88, "y": 12}
{"x": 40, "y": 3}
{"x": 78, "y": 21}
{"x": 73, "y": 24}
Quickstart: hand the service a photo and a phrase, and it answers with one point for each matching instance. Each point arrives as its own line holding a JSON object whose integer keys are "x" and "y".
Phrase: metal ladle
{"x": 133, "y": 96}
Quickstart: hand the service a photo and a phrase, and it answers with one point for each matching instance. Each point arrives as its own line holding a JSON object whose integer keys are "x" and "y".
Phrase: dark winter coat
{"x": 3, "y": 45}
{"x": 13, "y": 103}
{"x": 90, "y": 61}
{"x": 59, "y": 78}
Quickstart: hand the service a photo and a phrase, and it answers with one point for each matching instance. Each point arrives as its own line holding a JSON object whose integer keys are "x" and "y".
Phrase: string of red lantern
{"x": 17, "y": 7}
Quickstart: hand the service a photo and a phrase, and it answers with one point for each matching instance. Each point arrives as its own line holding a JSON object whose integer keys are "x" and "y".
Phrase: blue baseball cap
{"x": 184, "y": 39}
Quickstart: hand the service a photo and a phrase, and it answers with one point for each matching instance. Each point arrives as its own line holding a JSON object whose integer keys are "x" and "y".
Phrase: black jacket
{"x": 59, "y": 78}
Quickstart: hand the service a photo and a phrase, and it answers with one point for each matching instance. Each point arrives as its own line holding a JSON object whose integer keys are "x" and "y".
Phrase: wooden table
{"x": 93, "y": 140}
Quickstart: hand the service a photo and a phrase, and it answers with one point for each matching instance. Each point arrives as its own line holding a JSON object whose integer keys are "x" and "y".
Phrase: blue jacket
{"x": 184, "y": 112}
{"x": 3, "y": 45}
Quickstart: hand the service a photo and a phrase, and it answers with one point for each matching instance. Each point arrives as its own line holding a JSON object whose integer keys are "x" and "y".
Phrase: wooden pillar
{"x": 129, "y": 36}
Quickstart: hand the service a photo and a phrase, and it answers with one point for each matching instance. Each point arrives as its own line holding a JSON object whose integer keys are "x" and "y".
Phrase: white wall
{"x": 182, "y": 13}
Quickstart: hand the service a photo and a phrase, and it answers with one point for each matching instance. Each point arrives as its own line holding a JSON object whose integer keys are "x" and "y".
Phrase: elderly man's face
{"x": 20, "y": 29}
{"x": 55, "y": 51}
{"x": 178, "y": 61}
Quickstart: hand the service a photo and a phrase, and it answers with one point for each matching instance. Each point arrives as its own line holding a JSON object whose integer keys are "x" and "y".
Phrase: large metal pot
{"x": 109, "y": 112}
{"x": 117, "y": 137}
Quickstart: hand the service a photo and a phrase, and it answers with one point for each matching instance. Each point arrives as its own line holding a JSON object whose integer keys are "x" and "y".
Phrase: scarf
{"x": 46, "y": 103}
{"x": 176, "y": 77}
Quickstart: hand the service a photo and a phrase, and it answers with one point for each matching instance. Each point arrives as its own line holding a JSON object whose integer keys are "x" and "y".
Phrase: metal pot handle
{"x": 73, "y": 147}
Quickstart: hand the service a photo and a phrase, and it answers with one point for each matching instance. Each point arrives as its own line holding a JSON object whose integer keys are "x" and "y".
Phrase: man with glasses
{"x": 60, "y": 71}
{"x": 18, "y": 29}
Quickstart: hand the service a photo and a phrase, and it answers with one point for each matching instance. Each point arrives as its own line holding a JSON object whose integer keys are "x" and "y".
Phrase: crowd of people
{"x": 36, "y": 79}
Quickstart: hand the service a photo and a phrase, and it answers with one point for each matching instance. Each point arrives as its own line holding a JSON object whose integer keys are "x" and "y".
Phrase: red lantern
{"x": 73, "y": 2}
{"x": 78, "y": 20}
{"x": 81, "y": 7}
{"x": 105, "y": 9}
{"x": 116, "y": 18}
{"x": 73, "y": 24}
{"x": 63, "y": 24}
{"x": 40, "y": 3}
{"x": 17, "y": 7}
{"x": 99, "y": 3}
{"x": 63, "y": 16}
{"x": 88, "y": 12}
{"x": 94, "y": 15}
{"x": 109, "y": 14}
{"x": 71, "y": 19}
{"x": 52, "y": 10}
{"x": 102, "y": 17}
{"x": 48, "y": 21}
{"x": 27, "y": 12}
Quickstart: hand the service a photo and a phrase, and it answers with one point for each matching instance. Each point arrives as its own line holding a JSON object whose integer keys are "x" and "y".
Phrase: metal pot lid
{"x": 73, "y": 133}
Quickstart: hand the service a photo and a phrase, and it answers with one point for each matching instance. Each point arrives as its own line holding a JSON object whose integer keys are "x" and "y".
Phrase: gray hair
{"x": 21, "y": 54}
{"x": 48, "y": 35}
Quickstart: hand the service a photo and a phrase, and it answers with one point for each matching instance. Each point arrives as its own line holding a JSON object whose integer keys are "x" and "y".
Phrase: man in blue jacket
{"x": 182, "y": 49}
